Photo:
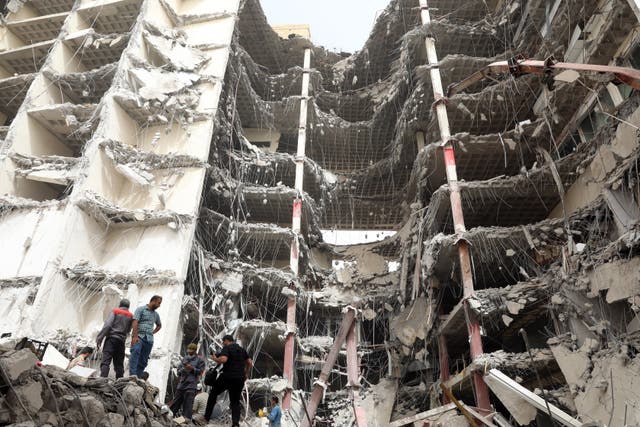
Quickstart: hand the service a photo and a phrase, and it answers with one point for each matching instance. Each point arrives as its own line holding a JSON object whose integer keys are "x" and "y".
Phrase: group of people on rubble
{"x": 143, "y": 324}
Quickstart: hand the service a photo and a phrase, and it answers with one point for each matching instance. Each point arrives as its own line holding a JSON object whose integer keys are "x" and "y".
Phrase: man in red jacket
{"x": 114, "y": 333}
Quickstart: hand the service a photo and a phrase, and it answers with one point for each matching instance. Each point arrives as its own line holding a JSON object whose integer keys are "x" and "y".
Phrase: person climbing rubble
{"x": 189, "y": 372}
{"x": 81, "y": 359}
{"x": 146, "y": 323}
{"x": 235, "y": 372}
{"x": 112, "y": 339}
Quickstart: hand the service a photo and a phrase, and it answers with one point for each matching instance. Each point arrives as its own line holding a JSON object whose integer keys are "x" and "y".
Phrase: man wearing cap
{"x": 114, "y": 333}
{"x": 191, "y": 367}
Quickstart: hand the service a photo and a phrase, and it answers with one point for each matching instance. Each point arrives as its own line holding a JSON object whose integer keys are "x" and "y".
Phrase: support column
{"x": 475, "y": 340}
{"x": 443, "y": 357}
{"x": 321, "y": 383}
{"x": 353, "y": 375}
{"x": 296, "y": 226}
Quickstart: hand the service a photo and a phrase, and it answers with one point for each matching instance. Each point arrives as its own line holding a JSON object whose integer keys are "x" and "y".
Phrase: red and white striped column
{"x": 296, "y": 227}
{"x": 473, "y": 327}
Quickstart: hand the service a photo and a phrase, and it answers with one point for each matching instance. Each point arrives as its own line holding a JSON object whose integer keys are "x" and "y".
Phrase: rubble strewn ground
{"x": 48, "y": 395}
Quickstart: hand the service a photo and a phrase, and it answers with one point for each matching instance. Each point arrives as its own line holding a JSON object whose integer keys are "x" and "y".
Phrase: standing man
{"x": 114, "y": 333}
{"x": 189, "y": 372}
{"x": 237, "y": 365}
{"x": 146, "y": 323}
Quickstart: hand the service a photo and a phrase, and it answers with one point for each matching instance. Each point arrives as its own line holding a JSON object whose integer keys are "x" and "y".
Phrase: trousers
{"x": 234, "y": 386}
{"x": 112, "y": 350}
{"x": 183, "y": 400}
{"x": 139, "y": 357}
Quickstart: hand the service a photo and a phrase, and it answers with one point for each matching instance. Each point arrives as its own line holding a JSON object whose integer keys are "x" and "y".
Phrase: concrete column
{"x": 443, "y": 358}
{"x": 353, "y": 374}
{"x": 296, "y": 226}
{"x": 322, "y": 382}
{"x": 482, "y": 392}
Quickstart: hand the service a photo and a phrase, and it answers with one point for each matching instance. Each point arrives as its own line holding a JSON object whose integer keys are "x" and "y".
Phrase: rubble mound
{"x": 33, "y": 395}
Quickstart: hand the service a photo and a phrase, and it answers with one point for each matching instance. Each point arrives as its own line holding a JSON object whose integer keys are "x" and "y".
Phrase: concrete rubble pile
{"x": 50, "y": 396}
{"x": 186, "y": 148}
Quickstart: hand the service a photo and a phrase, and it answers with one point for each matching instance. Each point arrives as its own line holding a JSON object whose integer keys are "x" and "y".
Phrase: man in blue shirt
{"x": 275, "y": 414}
{"x": 146, "y": 323}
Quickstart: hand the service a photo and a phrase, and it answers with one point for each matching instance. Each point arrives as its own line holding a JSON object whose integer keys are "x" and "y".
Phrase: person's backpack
{"x": 211, "y": 376}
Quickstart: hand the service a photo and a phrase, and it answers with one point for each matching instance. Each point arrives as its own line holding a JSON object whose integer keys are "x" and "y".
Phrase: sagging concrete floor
{"x": 153, "y": 147}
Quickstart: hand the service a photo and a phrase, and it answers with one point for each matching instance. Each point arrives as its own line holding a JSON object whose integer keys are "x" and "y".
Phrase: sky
{"x": 340, "y": 25}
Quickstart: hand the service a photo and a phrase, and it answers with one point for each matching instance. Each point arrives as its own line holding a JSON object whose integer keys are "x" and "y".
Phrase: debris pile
{"x": 47, "y": 395}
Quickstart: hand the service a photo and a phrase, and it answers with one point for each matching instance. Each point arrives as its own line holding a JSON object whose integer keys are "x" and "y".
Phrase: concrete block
{"x": 573, "y": 364}
{"x": 112, "y": 420}
{"x": 30, "y": 395}
{"x": 18, "y": 362}
{"x": 92, "y": 407}
{"x": 132, "y": 396}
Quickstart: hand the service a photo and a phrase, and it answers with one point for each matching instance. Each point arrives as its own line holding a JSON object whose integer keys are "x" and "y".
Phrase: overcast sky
{"x": 335, "y": 24}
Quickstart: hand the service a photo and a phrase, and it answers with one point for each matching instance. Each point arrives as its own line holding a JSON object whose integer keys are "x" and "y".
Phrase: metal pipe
{"x": 481, "y": 390}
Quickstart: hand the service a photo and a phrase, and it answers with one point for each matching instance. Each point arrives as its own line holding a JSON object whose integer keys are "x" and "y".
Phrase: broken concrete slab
{"x": 17, "y": 363}
{"x": 413, "y": 322}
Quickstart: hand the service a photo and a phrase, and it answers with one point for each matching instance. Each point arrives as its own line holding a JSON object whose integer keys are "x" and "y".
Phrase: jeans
{"x": 139, "y": 357}
{"x": 234, "y": 386}
{"x": 183, "y": 399}
{"x": 113, "y": 349}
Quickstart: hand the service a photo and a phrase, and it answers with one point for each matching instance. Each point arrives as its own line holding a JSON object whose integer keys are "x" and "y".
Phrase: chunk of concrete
{"x": 30, "y": 395}
{"x": 507, "y": 319}
{"x": 16, "y": 363}
{"x": 573, "y": 364}
{"x": 92, "y": 407}
{"x": 514, "y": 307}
{"x": 413, "y": 322}
{"x": 114, "y": 420}
{"x": 621, "y": 279}
{"x": 521, "y": 410}
{"x": 132, "y": 396}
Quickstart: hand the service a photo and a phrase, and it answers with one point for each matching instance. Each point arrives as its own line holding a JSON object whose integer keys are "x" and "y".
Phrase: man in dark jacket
{"x": 189, "y": 372}
{"x": 114, "y": 333}
{"x": 237, "y": 365}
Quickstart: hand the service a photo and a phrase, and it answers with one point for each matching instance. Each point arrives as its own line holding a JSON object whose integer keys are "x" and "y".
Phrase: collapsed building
{"x": 182, "y": 148}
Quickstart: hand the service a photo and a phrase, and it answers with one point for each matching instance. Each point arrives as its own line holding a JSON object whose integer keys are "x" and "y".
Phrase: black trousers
{"x": 234, "y": 386}
{"x": 183, "y": 399}
{"x": 113, "y": 349}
